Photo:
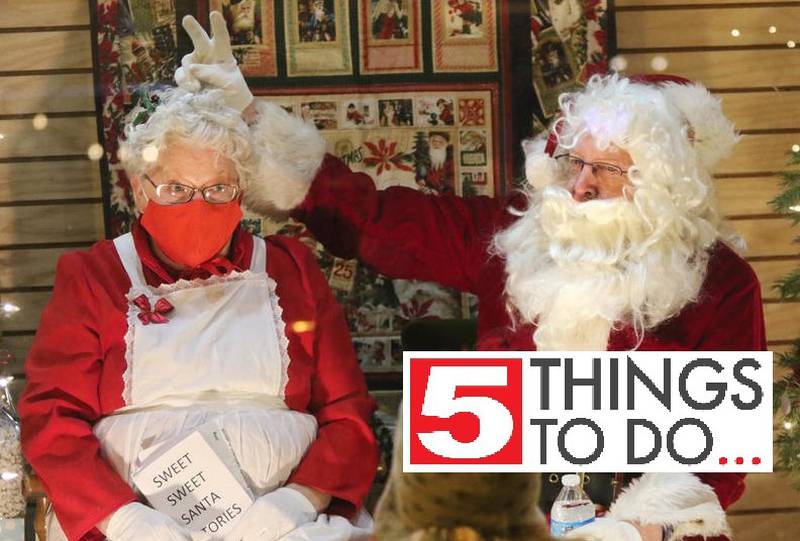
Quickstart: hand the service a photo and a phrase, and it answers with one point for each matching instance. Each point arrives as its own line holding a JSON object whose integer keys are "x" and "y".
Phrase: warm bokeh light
{"x": 95, "y": 151}
{"x": 10, "y": 308}
{"x": 150, "y": 154}
{"x": 123, "y": 153}
{"x": 618, "y": 63}
{"x": 302, "y": 326}
{"x": 40, "y": 121}
{"x": 659, "y": 63}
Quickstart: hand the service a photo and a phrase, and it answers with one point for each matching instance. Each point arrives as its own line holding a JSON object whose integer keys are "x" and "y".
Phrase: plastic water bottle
{"x": 572, "y": 508}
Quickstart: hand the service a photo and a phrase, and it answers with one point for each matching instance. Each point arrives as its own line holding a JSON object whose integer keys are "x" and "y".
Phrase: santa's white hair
{"x": 579, "y": 269}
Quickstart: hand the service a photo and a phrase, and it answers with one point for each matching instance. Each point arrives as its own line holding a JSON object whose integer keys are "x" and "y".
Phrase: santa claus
{"x": 243, "y": 20}
{"x": 190, "y": 320}
{"x": 615, "y": 243}
{"x": 388, "y": 21}
{"x": 440, "y": 177}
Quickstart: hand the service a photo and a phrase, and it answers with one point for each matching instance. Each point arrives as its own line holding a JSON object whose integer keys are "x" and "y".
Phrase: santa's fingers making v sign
{"x": 212, "y": 63}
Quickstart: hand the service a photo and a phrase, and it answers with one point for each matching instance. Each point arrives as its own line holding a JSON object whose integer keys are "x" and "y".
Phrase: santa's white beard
{"x": 244, "y": 20}
{"x": 438, "y": 157}
{"x": 578, "y": 270}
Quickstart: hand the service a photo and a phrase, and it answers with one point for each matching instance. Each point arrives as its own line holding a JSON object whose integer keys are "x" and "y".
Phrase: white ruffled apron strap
{"x": 258, "y": 261}
{"x": 126, "y": 250}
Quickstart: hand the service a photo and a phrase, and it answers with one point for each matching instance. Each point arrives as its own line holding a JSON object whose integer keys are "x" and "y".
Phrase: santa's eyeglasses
{"x": 572, "y": 167}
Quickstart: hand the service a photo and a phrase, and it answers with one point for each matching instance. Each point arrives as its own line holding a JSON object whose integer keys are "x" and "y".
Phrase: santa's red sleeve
{"x": 694, "y": 504}
{"x": 60, "y": 404}
{"x": 399, "y": 231}
{"x": 343, "y": 459}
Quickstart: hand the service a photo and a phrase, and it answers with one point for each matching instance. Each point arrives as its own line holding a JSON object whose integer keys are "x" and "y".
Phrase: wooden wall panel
{"x": 770, "y": 271}
{"x": 783, "y": 321}
{"x": 46, "y": 68}
{"x": 759, "y": 153}
{"x": 51, "y": 223}
{"x": 768, "y": 237}
{"x": 63, "y": 136}
{"x": 29, "y": 267}
{"x": 19, "y": 346}
{"x": 59, "y": 93}
{"x": 30, "y": 304}
{"x": 710, "y": 27}
{"x": 24, "y": 51}
{"x": 33, "y": 181}
{"x": 38, "y": 13}
{"x": 761, "y": 492}
{"x": 727, "y": 69}
{"x": 776, "y": 349}
{"x": 768, "y": 110}
{"x": 746, "y": 196}
{"x": 772, "y": 526}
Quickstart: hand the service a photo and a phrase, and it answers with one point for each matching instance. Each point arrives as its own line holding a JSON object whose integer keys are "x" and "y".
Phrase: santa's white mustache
{"x": 577, "y": 269}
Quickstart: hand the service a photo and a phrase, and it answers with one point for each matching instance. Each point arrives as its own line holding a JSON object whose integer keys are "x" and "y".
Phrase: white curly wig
{"x": 200, "y": 119}
{"x": 276, "y": 158}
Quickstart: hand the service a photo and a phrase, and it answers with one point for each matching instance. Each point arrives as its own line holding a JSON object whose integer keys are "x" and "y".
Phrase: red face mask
{"x": 194, "y": 232}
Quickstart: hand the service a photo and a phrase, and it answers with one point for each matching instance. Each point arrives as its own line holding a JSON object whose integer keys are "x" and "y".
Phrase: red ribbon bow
{"x": 219, "y": 266}
{"x": 155, "y": 315}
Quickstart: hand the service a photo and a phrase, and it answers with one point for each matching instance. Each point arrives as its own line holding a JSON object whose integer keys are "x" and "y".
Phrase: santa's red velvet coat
{"x": 406, "y": 234}
{"x": 75, "y": 368}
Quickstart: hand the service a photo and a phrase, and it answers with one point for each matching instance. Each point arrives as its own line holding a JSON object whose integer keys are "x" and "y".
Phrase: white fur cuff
{"x": 677, "y": 499}
{"x": 287, "y": 153}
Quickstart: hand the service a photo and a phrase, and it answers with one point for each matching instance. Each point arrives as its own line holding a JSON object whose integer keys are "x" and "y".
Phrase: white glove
{"x": 606, "y": 529}
{"x": 212, "y": 64}
{"x": 272, "y": 516}
{"x": 137, "y": 522}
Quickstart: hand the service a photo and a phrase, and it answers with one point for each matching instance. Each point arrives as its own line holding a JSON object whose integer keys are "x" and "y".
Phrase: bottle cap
{"x": 570, "y": 480}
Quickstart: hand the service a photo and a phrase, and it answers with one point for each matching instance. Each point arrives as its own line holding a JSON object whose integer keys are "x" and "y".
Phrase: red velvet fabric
{"x": 76, "y": 364}
{"x": 404, "y": 233}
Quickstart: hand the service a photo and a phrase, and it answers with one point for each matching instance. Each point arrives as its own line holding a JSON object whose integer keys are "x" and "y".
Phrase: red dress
{"x": 76, "y": 365}
{"x": 406, "y": 234}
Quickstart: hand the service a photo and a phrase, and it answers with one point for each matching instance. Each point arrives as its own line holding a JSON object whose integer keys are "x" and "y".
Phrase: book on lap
{"x": 196, "y": 481}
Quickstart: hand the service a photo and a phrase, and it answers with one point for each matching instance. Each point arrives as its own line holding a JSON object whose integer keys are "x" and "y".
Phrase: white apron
{"x": 221, "y": 356}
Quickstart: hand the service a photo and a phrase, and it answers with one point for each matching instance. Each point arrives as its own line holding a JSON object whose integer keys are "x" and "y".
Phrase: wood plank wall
{"x": 757, "y": 76}
{"x": 50, "y": 198}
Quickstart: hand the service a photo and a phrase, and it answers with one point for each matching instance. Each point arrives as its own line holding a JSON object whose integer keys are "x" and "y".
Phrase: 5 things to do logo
{"x": 597, "y": 411}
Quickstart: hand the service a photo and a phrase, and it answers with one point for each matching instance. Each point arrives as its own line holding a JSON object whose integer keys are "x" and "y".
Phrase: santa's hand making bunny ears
{"x": 212, "y": 64}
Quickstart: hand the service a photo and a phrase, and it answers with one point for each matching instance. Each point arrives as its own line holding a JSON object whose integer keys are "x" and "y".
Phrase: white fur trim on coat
{"x": 678, "y": 499}
{"x": 540, "y": 167}
{"x": 287, "y": 153}
{"x": 714, "y": 135}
